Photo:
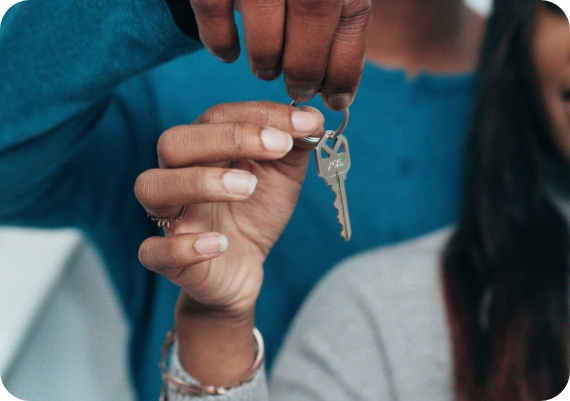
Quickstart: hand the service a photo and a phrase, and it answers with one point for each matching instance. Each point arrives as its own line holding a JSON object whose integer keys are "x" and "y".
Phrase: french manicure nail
{"x": 304, "y": 121}
{"x": 211, "y": 244}
{"x": 276, "y": 141}
{"x": 239, "y": 182}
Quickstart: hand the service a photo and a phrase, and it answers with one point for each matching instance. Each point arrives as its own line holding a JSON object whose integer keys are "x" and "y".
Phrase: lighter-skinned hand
{"x": 238, "y": 173}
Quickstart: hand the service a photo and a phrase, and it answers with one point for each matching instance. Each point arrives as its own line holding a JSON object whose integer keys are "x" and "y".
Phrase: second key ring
{"x": 340, "y": 130}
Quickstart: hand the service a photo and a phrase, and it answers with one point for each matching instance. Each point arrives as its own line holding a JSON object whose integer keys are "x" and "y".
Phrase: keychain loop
{"x": 330, "y": 134}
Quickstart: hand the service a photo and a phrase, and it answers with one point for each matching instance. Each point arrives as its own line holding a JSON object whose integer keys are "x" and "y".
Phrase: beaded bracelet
{"x": 187, "y": 388}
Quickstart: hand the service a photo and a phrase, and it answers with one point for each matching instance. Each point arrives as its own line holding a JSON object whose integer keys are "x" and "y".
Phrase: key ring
{"x": 330, "y": 134}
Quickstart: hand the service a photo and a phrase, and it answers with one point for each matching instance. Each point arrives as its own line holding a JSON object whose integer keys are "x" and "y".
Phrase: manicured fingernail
{"x": 239, "y": 182}
{"x": 276, "y": 141}
{"x": 211, "y": 244}
{"x": 304, "y": 121}
{"x": 340, "y": 101}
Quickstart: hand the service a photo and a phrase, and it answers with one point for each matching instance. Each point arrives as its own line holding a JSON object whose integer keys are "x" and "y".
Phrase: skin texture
{"x": 551, "y": 55}
{"x": 219, "y": 289}
{"x": 318, "y": 44}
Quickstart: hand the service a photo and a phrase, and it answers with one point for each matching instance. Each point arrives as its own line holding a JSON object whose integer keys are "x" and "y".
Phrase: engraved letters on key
{"x": 333, "y": 162}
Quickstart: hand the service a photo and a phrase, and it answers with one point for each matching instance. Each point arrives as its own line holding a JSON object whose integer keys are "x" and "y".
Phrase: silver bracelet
{"x": 187, "y": 388}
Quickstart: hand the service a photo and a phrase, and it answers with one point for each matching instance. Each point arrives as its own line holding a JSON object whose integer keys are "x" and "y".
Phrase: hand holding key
{"x": 238, "y": 175}
{"x": 333, "y": 163}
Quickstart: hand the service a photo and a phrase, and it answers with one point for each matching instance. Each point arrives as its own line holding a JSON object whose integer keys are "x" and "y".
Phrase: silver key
{"x": 332, "y": 166}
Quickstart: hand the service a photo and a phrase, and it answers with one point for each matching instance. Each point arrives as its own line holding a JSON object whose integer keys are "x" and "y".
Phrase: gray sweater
{"x": 373, "y": 329}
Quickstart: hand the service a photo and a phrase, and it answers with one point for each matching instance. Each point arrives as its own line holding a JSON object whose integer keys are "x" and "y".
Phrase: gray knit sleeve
{"x": 333, "y": 350}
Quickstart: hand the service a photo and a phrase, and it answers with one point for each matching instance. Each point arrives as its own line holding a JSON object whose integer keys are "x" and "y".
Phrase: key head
{"x": 332, "y": 160}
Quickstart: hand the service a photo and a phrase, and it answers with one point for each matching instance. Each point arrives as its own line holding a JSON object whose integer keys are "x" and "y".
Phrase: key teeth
{"x": 345, "y": 232}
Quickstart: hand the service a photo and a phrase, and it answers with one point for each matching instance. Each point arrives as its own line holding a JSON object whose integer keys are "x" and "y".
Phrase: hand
{"x": 238, "y": 174}
{"x": 317, "y": 43}
{"x": 212, "y": 167}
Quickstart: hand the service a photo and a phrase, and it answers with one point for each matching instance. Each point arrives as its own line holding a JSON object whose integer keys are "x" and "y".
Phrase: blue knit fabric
{"x": 84, "y": 100}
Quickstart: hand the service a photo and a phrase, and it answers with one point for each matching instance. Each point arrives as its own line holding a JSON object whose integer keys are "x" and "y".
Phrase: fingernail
{"x": 304, "y": 121}
{"x": 339, "y": 102}
{"x": 211, "y": 244}
{"x": 229, "y": 55}
{"x": 301, "y": 95}
{"x": 267, "y": 75}
{"x": 276, "y": 141}
{"x": 239, "y": 182}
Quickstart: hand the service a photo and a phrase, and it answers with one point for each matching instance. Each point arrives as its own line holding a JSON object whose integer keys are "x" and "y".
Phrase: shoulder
{"x": 365, "y": 322}
{"x": 391, "y": 269}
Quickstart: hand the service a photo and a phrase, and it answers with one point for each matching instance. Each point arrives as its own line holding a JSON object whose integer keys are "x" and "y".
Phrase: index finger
{"x": 297, "y": 122}
{"x": 217, "y": 28}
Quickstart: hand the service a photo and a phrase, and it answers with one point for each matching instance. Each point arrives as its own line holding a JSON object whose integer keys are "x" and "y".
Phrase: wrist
{"x": 188, "y": 309}
{"x": 216, "y": 348}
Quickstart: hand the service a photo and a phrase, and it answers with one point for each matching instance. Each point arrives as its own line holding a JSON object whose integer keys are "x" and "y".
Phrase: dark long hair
{"x": 505, "y": 269}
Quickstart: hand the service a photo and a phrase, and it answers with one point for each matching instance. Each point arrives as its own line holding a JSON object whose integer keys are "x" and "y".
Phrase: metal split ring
{"x": 330, "y": 134}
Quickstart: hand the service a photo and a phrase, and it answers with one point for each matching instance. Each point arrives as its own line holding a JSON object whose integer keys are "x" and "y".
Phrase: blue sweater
{"x": 84, "y": 99}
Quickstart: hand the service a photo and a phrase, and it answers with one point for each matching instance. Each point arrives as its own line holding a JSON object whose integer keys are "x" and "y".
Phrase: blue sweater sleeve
{"x": 75, "y": 100}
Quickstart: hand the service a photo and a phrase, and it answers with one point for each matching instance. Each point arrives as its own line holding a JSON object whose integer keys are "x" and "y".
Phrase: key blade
{"x": 337, "y": 185}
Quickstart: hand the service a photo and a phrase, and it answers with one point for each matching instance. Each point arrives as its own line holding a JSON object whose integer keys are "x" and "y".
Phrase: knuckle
{"x": 214, "y": 114}
{"x": 355, "y": 17}
{"x": 264, "y": 112}
{"x": 235, "y": 135}
{"x": 357, "y": 8}
{"x": 176, "y": 252}
{"x": 196, "y": 187}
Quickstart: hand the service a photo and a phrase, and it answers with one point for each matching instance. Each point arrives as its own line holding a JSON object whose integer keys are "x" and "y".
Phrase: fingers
{"x": 218, "y": 31}
{"x": 264, "y": 26}
{"x": 221, "y": 134}
{"x": 333, "y": 36}
{"x": 162, "y": 191}
{"x": 168, "y": 255}
{"x": 346, "y": 59}
{"x": 310, "y": 27}
{"x": 207, "y": 143}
